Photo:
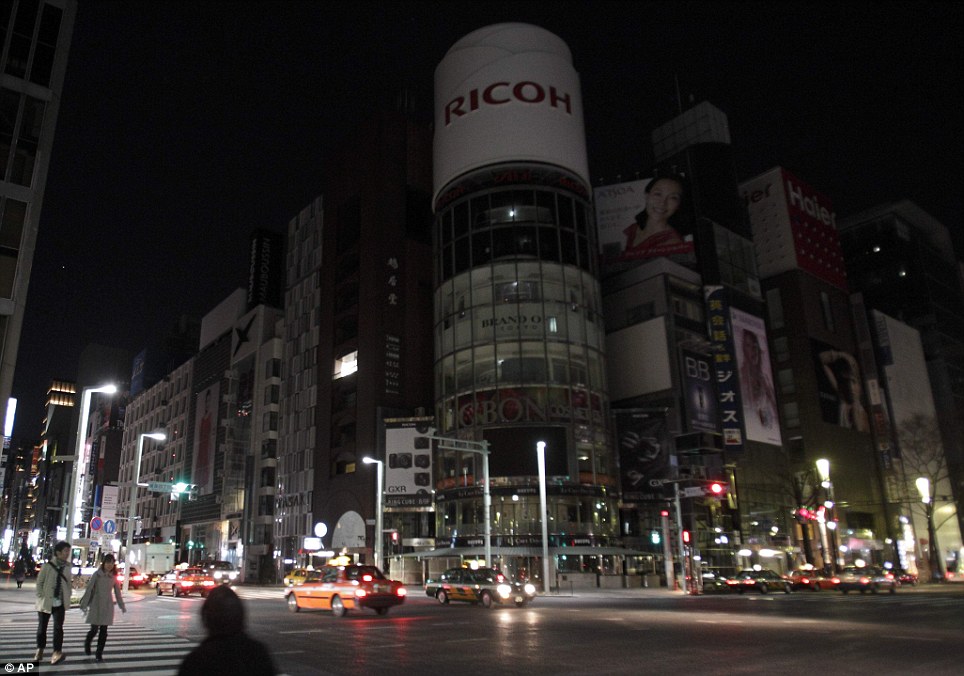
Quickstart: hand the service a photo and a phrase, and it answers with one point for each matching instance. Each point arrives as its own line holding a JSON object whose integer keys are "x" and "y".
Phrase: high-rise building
{"x": 357, "y": 337}
{"x": 902, "y": 260}
{"x": 36, "y": 40}
{"x": 826, "y": 374}
{"x": 519, "y": 336}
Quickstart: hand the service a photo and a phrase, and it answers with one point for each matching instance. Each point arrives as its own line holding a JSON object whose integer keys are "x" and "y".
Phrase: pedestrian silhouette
{"x": 228, "y": 649}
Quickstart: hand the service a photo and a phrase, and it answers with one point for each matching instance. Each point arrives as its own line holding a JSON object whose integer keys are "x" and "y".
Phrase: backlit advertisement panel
{"x": 634, "y": 224}
{"x": 408, "y": 462}
{"x": 507, "y": 93}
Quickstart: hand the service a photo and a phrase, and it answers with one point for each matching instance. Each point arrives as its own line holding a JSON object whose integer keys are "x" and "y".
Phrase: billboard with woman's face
{"x": 756, "y": 378}
{"x": 642, "y": 219}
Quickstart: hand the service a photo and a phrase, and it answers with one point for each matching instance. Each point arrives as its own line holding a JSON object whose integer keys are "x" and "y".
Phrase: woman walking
{"x": 98, "y": 604}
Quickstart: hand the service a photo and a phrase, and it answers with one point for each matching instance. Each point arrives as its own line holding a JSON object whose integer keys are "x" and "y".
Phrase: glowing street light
{"x": 541, "y": 457}
{"x": 158, "y": 436}
{"x": 76, "y": 486}
{"x": 379, "y": 481}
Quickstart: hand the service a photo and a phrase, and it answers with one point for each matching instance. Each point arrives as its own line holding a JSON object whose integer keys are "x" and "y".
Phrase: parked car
{"x": 346, "y": 587}
{"x": 138, "y": 579}
{"x": 763, "y": 581}
{"x": 866, "y": 578}
{"x": 186, "y": 582}
{"x": 223, "y": 572}
{"x": 813, "y": 580}
{"x": 483, "y": 586}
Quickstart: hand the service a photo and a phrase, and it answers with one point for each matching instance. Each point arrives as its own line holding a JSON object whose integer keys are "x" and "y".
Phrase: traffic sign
{"x": 96, "y": 523}
{"x": 160, "y": 486}
{"x": 110, "y": 526}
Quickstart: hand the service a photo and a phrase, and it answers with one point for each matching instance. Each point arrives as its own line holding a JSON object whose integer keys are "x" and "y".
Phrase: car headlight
{"x": 530, "y": 589}
{"x": 504, "y": 590}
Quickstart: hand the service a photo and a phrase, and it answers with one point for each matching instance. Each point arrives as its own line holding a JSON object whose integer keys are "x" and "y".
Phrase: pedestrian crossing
{"x": 130, "y": 648}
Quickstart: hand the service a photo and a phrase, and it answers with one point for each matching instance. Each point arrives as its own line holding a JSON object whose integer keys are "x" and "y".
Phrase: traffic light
{"x": 715, "y": 489}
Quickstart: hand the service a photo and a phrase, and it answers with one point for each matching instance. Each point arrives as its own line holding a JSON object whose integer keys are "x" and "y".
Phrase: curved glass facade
{"x": 519, "y": 357}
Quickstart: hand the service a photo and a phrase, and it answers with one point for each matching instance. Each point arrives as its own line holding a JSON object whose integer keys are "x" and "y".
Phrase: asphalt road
{"x": 617, "y": 632}
{"x": 916, "y": 631}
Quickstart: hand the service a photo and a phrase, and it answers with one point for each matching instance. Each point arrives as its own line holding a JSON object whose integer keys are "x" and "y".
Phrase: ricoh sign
{"x": 507, "y": 93}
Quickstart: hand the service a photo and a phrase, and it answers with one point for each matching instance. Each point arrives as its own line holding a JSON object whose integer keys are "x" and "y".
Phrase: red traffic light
{"x": 716, "y": 489}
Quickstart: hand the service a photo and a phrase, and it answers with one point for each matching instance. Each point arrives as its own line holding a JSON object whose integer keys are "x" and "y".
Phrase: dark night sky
{"x": 184, "y": 126}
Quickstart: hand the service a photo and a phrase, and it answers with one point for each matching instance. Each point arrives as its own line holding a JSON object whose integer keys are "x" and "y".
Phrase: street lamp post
{"x": 379, "y": 481}
{"x": 159, "y": 436}
{"x": 823, "y": 469}
{"x": 933, "y": 561}
{"x": 541, "y": 457}
{"x": 73, "y": 500}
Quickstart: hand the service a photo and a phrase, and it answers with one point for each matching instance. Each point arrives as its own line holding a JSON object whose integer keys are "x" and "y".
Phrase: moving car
{"x": 346, "y": 587}
{"x": 480, "y": 586}
{"x": 296, "y": 576}
{"x": 186, "y": 582}
{"x": 866, "y": 578}
{"x": 813, "y": 580}
{"x": 223, "y": 572}
{"x": 138, "y": 579}
{"x": 763, "y": 581}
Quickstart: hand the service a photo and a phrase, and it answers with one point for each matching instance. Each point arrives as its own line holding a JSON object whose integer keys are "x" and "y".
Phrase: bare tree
{"x": 922, "y": 456}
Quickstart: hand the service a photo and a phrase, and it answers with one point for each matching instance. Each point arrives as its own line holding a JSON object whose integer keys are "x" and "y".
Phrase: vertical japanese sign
{"x": 393, "y": 344}
{"x": 727, "y": 382}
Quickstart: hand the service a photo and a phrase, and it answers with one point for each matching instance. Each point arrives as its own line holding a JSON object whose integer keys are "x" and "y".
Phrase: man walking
{"x": 53, "y": 598}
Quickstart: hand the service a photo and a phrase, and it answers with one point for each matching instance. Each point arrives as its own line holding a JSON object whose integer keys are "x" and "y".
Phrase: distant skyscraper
{"x": 36, "y": 39}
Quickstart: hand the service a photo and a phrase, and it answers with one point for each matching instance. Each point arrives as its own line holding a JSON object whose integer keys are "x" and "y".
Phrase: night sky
{"x": 185, "y": 126}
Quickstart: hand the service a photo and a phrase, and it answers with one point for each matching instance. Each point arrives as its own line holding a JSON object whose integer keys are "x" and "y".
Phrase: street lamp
{"x": 924, "y": 488}
{"x": 379, "y": 481}
{"x": 73, "y": 499}
{"x": 132, "y": 505}
{"x": 541, "y": 457}
{"x": 827, "y": 523}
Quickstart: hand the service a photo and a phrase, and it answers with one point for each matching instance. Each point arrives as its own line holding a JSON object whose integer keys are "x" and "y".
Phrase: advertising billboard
{"x": 507, "y": 93}
{"x": 205, "y": 438}
{"x": 840, "y": 387}
{"x": 760, "y": 417}
{"x": 642, "y": 219}
{"x": 408, "y": 462}
{"x": 724, "y": 366}
{"x": 644, "y": 462}
{"x": 699, "y": 394}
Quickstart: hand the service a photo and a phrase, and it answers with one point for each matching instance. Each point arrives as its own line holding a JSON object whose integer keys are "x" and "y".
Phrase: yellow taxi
{"x": 296, "y": 576}
{"x": 340, "y": 588}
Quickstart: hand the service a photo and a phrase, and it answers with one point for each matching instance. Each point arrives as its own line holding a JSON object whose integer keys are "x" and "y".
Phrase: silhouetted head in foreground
{"x": 222, "y": 613}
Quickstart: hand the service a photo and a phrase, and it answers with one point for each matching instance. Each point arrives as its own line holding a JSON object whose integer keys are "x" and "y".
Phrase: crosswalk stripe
{"x": 130, "y": 648}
